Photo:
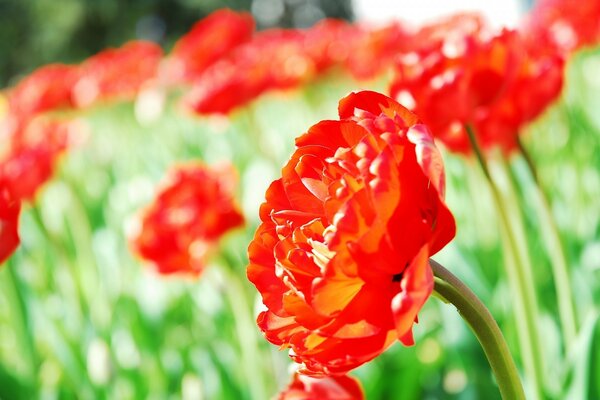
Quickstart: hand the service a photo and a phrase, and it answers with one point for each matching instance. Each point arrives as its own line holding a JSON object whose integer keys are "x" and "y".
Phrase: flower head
{"x": 342, "y": 387}
{"x": 116, "y": 73}
{"x": 9, "y": 219}
{"x": 209, "y": 39}
{"x": 493, "y": 82}
{"x": 190, "y": 213}
{"x": 341, "y": 255}
{"x": 29, "y": 155}
{"x": 45, "y": 89}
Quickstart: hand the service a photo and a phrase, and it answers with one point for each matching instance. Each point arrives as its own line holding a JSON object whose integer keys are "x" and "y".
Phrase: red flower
{"x": 47, "y": 88}
{"x": 274, "y": 59}
{"x": 117, "y": 73}
{"x": 495, "y": 84}
{"x": 28, "y": 157}
{"x": 9, "y": 219}
{"x": 566, "y": 24}
{"x": 374, "y": 50}
{"x": 341, "y": 255}
{"x": 208, "y": 41}
{"x": 341, "y": 387}
{"x": 190, "y": 213}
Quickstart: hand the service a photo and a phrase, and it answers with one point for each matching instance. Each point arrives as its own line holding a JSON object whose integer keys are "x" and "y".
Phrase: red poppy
{"x": 566, "y": 24}
{"x": 342, "y": 387}
{"x": 341, "y": 255}
{"x": 190, "y": 213}
{"x": 45, "y": 89}
{"x": 9, "y": 219}
{"x": 208, "y": 41}
{"x": 494, "y": 83}
{"x": 116, "y": 73}
{"x": 28, "y": 157}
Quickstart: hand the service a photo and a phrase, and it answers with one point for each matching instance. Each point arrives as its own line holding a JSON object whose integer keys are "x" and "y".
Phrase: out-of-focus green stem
{"x": 521, "y": 281}
{"x": 245, "y": 329}
{"x": 485, "y": 328}
{"x": 555, "y": 249}
{"x": 23, "y": 328}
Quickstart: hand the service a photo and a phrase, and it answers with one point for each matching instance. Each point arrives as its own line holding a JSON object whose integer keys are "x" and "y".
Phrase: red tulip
{"x": 181, "y": 227}
{"x": 493, "y": 83}
{"x": 117, "y": 73}
{"x": 569, "y": 25}
{"x": 45, "y": 89}
{"x": 341, "y": 255}
{"x": 304, "y": 387}
{"x": 28, "y": 159}
{"x": 9, "y": 219}
{"x": 209, "y": 39}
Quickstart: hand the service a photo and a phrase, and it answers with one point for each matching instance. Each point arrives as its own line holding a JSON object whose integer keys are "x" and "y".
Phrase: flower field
{"x": 251, "y": 214}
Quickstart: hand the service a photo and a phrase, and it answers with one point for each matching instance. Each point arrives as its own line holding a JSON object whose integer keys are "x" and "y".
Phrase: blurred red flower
{"x": 275, "y": 59}
{"x": 495, "y": 83}
{"x": 341, "y": 255}
{"x": 29, "y": 153}
{"x": 45, "y": 89}
{"x": 304, "y": 387}
{"x": 194, "y": 208}
{"x": 566, "y": 24}
{"x": 374, "y": 49}
{"x": 209, "y": 39}
{"x": 116, "y": 73}
{"x": 9, "y": 220}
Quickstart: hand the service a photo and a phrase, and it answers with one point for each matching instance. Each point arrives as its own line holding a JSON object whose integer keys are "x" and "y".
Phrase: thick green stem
{"x": 485, "y": 328}
{"x": 519, "y": 274}
{"x": 558, "y": 260}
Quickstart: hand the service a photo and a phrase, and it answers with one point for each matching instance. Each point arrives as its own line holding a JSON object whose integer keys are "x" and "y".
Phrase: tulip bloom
{"x": 28, "y": 157}
{"x": 569, "y": 25}
{"x": 191, "y": 212}
{"x": 116, "y": 73}
{"x": 45, "y": 89}
{"x": 209, "y": 39}
{"x": 9, "y": 219}
{"x": 493, "y": 83}
{"x": 304, "y": 387}
{"x": 341, "y": 255}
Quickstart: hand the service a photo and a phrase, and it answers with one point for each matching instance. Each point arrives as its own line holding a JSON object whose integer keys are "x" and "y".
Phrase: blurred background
{"x": 81, "y": 317}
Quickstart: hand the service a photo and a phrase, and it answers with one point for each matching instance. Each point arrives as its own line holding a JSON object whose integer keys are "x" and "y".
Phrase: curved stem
{"x": 485, "y": 328}
{"x": 518, "y": 270}
{"x": 558, "y": 260}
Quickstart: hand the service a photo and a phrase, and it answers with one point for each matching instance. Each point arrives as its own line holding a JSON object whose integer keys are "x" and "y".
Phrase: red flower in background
{"x": 374, "y": 50}
{"x": 274, "y": 59}
{"x": 188, "y": 216}
{"x": 9, "y": 219}
{"x": 45, "y": 89}
{"x": 29, "y": 155}
{"x": 341, "y": 387}
{"x": 495, "y": 83}
{"x": 341, "y": 255}
{"x": 116, "y": 73}
{"x": 209, "y": 39}
{"x": 565, "y": 24}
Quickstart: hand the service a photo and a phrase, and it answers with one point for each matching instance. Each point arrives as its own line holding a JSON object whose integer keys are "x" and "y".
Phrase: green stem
{"x": 519, "y": 274}
{"x": 24, "y": 329}
{"x": 245, "y": 329}
{"x": 558, "y": 260}
{"x": 485, "y": 328}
